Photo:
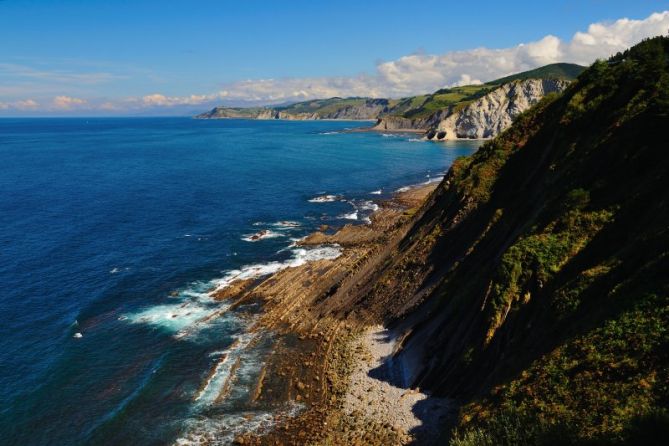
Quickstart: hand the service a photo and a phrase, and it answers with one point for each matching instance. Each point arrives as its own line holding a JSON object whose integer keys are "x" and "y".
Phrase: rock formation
{"x": 494, "y": 112}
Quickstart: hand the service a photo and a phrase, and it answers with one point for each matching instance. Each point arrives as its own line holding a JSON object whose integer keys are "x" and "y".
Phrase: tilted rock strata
{"x": 493, "y": 113}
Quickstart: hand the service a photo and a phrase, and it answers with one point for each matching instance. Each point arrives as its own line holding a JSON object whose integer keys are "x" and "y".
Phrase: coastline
{"x": 375, "y": 130}
{"x": 282, "y": 119}
{"x": 327, "y": 359}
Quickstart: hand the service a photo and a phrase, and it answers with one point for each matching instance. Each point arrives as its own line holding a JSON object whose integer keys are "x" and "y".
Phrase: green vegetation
{"x": 458, "y": 97}
{"x": 327, "y": 107}
{"x": 548, "y": 260}
{"x": 413, "y": 107}
{"x": 423, "y": 106}
{"x": 579, "y": 296}
{"x": 568, "y": 71}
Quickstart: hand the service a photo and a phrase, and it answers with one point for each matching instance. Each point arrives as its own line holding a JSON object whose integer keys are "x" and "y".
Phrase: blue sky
{"x": 106, "y": 56}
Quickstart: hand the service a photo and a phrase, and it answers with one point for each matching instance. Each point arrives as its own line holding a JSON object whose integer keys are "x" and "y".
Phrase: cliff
{"x": 485, "y": 113}
{"x": 493, "y": 113}
{"x": 534, "y": 283}
{"x": 422, "y": 112}
{"x": 332, "y": 108}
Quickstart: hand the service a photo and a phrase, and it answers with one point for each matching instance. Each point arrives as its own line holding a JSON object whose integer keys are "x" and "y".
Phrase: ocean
{"x": 114, "y": 231}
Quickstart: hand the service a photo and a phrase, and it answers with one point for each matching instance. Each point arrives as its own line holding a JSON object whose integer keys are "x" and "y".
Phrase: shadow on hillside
{"x": 436, "y": 415}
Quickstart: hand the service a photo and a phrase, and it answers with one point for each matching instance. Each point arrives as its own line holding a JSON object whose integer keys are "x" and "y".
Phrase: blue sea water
{"x": 114, "y": 231}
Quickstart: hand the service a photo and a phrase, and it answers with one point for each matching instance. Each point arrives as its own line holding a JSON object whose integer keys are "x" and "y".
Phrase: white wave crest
{"x": 194, "y": 307}
{"x": 368, "y": 206}
{"x": 350, "y": 216}
{"x": 262, "y": 235}
{"x": 286, "y": 224}
{"x": 324, "y": 199}
{"x": 223, "y": 370}
{"x": 222, "y": 430}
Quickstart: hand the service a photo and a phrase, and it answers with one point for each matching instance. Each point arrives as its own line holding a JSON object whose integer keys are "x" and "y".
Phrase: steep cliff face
{"x": 422, "y": 112}
{"x": 395, "y": 123}
{"x": 493, "y": 113}
{"x": 238, "y": 113}
{"x": 366, "y": 110}
{"x": 333, "y": 108}
{"x": 534, "y": 284}
{"x": 484, "y": 117}
{"x": 399, "y": 123}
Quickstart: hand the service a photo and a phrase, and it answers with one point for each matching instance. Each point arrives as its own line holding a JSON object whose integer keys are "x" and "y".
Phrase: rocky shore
{"x": 329, "y": 360}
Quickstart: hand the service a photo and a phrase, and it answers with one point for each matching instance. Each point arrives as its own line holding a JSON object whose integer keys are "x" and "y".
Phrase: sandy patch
{"x": 376, "y": 390}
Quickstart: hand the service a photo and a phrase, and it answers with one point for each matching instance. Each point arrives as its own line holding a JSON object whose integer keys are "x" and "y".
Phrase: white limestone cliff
{"x": 493, "y": 113}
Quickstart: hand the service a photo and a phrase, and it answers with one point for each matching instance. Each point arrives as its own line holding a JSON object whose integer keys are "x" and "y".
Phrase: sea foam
{"x": 222, "y": 430}
{"x": 324, "y": 199}
{"x": 262, "y": 235}
{"x": 350, "y": 216}
{"x": 194, "y": 307}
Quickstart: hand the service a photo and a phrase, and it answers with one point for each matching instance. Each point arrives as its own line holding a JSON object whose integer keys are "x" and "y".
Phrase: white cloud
{"x": 159, "y": 100}
{"x": 408, "y": 75}
{"x": 25, "y": 104}
{"x": 67, "y": 102}
{"x": 421, "y": 73}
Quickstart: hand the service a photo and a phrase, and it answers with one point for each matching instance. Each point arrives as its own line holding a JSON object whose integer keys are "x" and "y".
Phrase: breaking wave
{"x": 262, "y": 235}
{"x": 325, "y": 199}
{"x": 193, "y": 308}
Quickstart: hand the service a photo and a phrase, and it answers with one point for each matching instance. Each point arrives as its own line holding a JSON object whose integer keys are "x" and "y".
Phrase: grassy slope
{"x": 425, "y": 105}
{"x": 546, "y": 254}
{"x": 578, "y": 296}
{"x": 568, "y": 71}
{"x": 322, "y": 106}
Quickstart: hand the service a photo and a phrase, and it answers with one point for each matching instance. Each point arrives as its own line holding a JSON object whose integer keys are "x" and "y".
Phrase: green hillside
{"x": 425, "y": 105}
{"x": 458, "y": 97}
{"x": 544, "y": 259}
{"x": 568, "y": 71}
{"x": 421, "y": 106}
{"x": 331, "y": 105}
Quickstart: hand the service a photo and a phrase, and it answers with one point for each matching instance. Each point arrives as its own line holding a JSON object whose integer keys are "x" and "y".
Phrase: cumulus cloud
{"x": 67, "y": 102}
{"x": 405, "y": 76}
{"x": 421, "y": 73}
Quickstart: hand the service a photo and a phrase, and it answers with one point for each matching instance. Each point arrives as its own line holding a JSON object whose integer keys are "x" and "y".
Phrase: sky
{"x": 177, "y": 57}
